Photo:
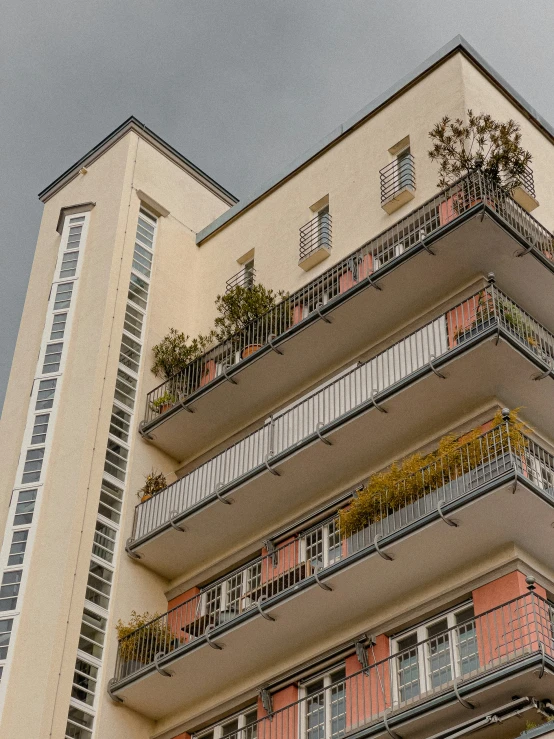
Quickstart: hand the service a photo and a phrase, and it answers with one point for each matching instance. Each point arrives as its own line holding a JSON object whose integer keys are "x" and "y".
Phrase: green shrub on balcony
{"x": 407, "y": 481}
{"x": 143, "y": 637}
{"x": 242, "y": 305}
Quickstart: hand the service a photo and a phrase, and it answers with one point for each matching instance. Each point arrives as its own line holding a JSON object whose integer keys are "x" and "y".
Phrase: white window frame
{"x": 421, "y": 631}
{"x": 328, "y": 529}
{"x": 244, "y": 602}
{"x": 216, "y": 731}
{"x": 328, "y": 681}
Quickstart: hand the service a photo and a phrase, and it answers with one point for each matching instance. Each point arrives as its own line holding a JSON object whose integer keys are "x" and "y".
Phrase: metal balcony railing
{"x": 528, "y": 181}
{"x": 497, "y": 453}
{"x": 244, "y": 277}
{"x": 325, "y": 407}
{"x": 443, "y": 663}
{"x": 373, "y": 258}
{"x": 397, "y": 175}
{"x": 316, "y": 234}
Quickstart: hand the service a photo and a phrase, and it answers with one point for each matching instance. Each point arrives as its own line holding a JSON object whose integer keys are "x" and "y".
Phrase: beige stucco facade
{"x": 138, "y": 171}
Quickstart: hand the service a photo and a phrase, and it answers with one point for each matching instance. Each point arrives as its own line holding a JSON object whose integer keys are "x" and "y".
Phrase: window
{"x": 142, "y": 258}
{"x": 116, "y": 460}
{"x": 63, "y": 296}
{"x": 69, "y": 264}
{"x": 99, "y": 585}
{"x": 404, "y": 164}
{"x": 52, "y": 358}
{"x": 45, "y": 395}
{"x": 133, "y": 321}
{"x": 79, "y": 724}
{"x": 322, "y": 546}
{"x": 104, "y": 541}
{"x": 227, "y": 599}
{"x": 138, "y": 291}
{"x": 242, "y": 726}
{"x": 33, "y": 465}
{"x": 84, "y": 682}
{"x": 243, "y": 278}
{"x": 75, "y": 232}
{"x": 17, "y": 549}
{"x": 129, "y": 353}
{"x": 40, "y": 428}
{"x": 110, "y": 501}
{"x": 5, "y": 633}
{"x": 434, "y": 653}
{"x": 324, "y": 710}
{"x": 125, "y": 389}
{"x": 93, "y": 633}
{"x": 9, "y": 590}
{"x": 25, "y": 507}
{"x": 58, "y": 326}
{"x": 120, "y": 423}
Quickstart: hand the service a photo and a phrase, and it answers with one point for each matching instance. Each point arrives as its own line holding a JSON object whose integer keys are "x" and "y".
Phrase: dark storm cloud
{"x": 240, "y": 87}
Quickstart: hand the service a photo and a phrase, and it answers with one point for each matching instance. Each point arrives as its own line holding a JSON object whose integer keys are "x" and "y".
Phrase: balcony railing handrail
{"x": 396, "y": 175}
{"x": 386, "y": 660}
{"x": 276, "y": 435}
{"x": 495, "y": 445}
{"x": 315, "y": 234}
{"x": 437, "y": 212}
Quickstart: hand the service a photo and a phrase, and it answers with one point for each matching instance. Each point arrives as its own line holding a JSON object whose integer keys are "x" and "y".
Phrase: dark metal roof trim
{"x": 133, "y": 124}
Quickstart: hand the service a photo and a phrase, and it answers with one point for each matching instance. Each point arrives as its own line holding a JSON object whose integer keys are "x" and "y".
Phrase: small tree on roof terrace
{"x": 480, "y": 143}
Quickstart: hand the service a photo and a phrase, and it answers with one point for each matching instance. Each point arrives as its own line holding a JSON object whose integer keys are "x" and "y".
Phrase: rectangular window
{"x": 142, "y": 259}
{"x": 145, "y": 229}
{"x": 125, "y": 389}
{"x": 69, "y": 264}
{"x": 133, "y": 321}
{"x": 9, "y": 590}
{"x": 17, "y": 549}
{"x": 116, "y": 460}
{"x": 325, "y": 707}
{"x": 110, "y": 501}
{"x": 63, "y": 296}
{"x": 40, "y": 428}
{"x": 129, "y": 354}
{"x": 25, "y": 507}
{"x": 78, "y": 724}
{"x": 99, "y": 585}
{"x": 45, "y": 395}
{"x": 120, "y": 423}
{"x": 5, "y": 633}
{"x": 93, "y": 633}
{"x": 104, "y": 541}
{"x": 138, "y": 291}
{"x": 323, "y": 545}
{"x": 435, "y": 653}
{"x": 52, "y": 358}
{"x": 84, "y": 682}
{"x": 33, "y": 465}
{"x": 58, "y": 326}
{"x": 74, "y": 238}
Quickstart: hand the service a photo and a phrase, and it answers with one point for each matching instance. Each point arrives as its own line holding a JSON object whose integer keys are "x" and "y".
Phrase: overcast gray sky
{"x": 240, "y": 87}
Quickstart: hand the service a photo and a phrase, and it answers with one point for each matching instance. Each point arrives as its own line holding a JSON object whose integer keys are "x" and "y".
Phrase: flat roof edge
{"x": 457, "y": 44}
{"x": 133, "y": 124}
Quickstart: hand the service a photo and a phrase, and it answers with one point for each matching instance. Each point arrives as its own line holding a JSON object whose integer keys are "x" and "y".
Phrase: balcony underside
{"x": 489, "y": 519}
{"x": 411, "y": 283}
{"x": 482, "y": 374}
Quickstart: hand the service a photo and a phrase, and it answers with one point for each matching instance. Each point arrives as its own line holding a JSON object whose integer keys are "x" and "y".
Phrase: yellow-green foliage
{"x": 404, "y": 482}
{"x": 143, "y": 637}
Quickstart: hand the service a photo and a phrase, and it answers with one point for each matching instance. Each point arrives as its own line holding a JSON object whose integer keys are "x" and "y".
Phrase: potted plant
{"x": 483, "y": 144}
{"x": 141, "y": 639}
{"x": 240, "y": 312}
{"x": 489, "y": 308}
{"x": 163, "y": 403}
{"x": 153, "y": 483}
{"x": 172, "y": 355}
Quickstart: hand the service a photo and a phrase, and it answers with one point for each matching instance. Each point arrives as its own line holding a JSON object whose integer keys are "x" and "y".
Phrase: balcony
{"x": 470, "y": 228}
{"x": 315, "y": 240}
{"x": 508, "y": 645}
{"x": 282, "y": 469}
{"x": 243, "y": 278}
{"x": 390, "y": 693}
{"x": 397, "y": 183}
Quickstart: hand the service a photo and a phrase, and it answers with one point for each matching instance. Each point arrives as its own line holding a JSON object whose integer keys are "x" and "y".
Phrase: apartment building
{"x": 411, "y": 315}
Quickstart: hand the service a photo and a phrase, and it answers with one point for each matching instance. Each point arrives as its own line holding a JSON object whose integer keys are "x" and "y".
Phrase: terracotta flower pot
{"x": 248, "y": 350}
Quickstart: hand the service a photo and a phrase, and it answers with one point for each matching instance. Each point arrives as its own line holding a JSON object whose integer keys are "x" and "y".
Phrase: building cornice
{"x": 457, "y": 45}
{"x": 134, "y": 125}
